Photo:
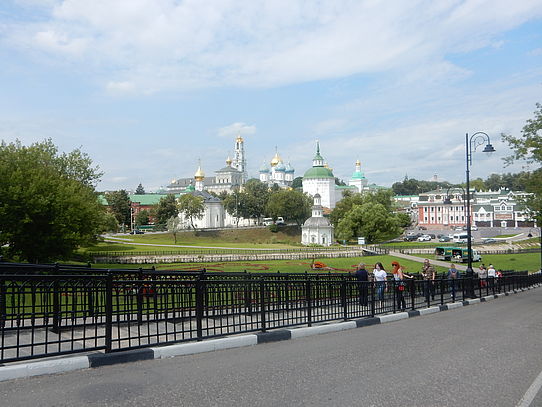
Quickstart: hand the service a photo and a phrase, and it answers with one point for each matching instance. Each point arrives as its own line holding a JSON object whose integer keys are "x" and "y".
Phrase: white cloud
{"x": 164, "y": 44}
{"x": 122, "y": 87}
{"x": 236, "y": 128}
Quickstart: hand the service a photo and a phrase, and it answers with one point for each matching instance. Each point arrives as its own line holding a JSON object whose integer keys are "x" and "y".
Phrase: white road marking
{"x": 531, "y": 392}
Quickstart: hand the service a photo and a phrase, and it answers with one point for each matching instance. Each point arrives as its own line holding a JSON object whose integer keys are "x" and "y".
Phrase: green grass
{"x": 335, "y": 265}
{"x": 505, "y": 236}
{"x": 286, "y": 237}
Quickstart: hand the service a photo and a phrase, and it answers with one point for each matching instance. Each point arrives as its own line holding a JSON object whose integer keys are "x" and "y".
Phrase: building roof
{"x": 317, "y": 221}
{"x": 318, "y": 172}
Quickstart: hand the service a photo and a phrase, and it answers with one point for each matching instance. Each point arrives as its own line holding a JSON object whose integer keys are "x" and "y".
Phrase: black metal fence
{"x": 44, "y": 314}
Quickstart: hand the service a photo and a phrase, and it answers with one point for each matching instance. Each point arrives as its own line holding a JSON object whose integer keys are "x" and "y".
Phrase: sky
{"x": 149, "y": 88}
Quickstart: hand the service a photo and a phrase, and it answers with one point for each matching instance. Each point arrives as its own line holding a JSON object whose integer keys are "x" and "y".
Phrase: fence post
{"x": 108, "y": 311}
{"x": 3, "y": 310}
{"x": 395, "y": 295}
{"x": 262, "y": 304}
{"x": 139, "y": 297}
{"x": 309, "y": 302}
{"x": 372, "y": 299}
{"x": 56, "y": 302}
{"x": 199, "y": 309}
{"x": 343, "y": 296}
{"x": 442, "y": 291}
{"x": 412, "y": 293}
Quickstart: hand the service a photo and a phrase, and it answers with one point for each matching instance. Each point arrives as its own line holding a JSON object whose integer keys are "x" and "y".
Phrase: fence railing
{"x": 46, "y": 315}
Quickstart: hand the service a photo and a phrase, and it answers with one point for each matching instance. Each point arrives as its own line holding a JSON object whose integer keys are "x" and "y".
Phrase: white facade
{"x": 320, "y": 180}
{"x": 317, "y": 229}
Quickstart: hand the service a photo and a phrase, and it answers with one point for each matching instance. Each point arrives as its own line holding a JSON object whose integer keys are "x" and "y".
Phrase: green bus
{"x": 457, "y": 254}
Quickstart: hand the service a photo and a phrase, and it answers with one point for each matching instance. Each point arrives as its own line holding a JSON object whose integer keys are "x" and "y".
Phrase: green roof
{"x": 318, "y": 172}
{"x": 358, "y": 175}
{"x": 146, "y": 199}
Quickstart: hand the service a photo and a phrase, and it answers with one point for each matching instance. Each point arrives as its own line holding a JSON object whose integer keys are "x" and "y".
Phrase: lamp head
{"x": 489, "y": 149}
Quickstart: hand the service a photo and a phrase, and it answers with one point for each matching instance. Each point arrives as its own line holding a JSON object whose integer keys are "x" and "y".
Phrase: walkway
{"x": 421, "y": 259}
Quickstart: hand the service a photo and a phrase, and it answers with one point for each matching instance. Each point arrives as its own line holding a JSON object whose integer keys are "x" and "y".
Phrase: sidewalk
{"x": 421, "y": 259}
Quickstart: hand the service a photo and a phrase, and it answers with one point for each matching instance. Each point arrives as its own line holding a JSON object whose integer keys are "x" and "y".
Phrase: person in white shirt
{"x": 380, "y": 277}
{"x": 491, "y": 274}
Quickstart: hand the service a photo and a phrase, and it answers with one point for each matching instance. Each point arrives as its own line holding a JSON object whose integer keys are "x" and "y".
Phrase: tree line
{"x": 49, "y": 205}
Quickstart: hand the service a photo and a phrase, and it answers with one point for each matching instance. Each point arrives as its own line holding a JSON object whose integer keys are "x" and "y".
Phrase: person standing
{"x": 482, "y": 275}
{"x": 491, "y": 274}
{"x": 399, "y": 277}
{"x": 428, "y": 275}
{"x": 363, "y": 282}
{"x": 380, "y": 277}
{"x": 452, "y": 276}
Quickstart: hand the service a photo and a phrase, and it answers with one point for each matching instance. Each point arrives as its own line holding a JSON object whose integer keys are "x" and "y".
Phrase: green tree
{"x": 297, "y": 182}
{"x": 140, "y": 190}
{"x": 371, "y": 220}
{"x": 48, "y": 202}
{"x": 528, "y": 147}
{"x": 110, "y": 223}
{"x": 257, "y": 195}
{"x": 120, "y": 206}
{"x": 235, "y": 204}
{"x": 292, "y": 205}
{"x": 174, "y": 226}
{"x": 142, "y": 218}
{"x": 192, "y": 207}
{"x": 165, "y": 209}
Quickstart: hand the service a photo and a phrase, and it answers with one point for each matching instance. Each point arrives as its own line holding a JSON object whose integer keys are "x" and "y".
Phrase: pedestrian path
{"x": 421, "y": 259}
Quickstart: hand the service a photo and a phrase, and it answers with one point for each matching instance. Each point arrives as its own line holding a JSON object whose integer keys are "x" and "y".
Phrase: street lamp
{"x": 471, "y": 143}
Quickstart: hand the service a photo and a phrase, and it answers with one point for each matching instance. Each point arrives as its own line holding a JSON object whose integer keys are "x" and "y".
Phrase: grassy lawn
{"x": 286, "y": 237}
{"x": 334, "y": 265}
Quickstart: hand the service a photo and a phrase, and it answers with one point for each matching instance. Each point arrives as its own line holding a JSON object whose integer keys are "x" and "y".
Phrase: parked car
{"x": 473, "y": 227}
{"x": 445, "y": 239}
{"x": 422, "y": 228}
{"x": 410, "y": 238}
{"x": 280, "y": 221}
{"x": 424, "y": 238}
{"x": 489, "y": 240}
{"x": 136, "y": 232}
{"x": 432, "y": 236}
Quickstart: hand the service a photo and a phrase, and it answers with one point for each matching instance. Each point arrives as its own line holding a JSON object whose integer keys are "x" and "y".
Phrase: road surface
{"x": 485, "y": 354}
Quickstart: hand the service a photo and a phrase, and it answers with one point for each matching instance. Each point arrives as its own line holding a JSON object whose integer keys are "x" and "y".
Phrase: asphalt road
{"x": 486, "y": 354}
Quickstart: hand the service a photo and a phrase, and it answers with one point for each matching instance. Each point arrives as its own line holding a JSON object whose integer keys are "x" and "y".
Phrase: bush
{"x": 273, "y": 228}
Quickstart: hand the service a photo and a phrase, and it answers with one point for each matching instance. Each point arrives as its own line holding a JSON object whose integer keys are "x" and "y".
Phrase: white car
{"x": 424, "y": 238}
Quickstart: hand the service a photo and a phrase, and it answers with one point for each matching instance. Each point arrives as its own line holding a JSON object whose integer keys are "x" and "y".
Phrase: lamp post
{"x": 471, "y": 143}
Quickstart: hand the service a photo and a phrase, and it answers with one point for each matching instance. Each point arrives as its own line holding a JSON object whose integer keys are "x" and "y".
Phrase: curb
{"x": 93, "y": 360}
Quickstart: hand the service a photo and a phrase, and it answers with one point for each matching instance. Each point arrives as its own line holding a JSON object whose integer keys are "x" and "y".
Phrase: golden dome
{"x": 239, "y": 139}
{"x": 228, "y": 161}
{"x": 276, "y": 159}
{"x": 327, "y": 166}
{"x": 357, "y": 162}
{"x": 199, "y": 175}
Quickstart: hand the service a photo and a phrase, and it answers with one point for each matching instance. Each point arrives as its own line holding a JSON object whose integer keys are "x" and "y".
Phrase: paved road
{"x": 482, "y": 355}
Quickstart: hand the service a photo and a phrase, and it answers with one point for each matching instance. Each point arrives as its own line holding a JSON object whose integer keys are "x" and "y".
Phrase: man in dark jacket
{"x": 363, "y": 277}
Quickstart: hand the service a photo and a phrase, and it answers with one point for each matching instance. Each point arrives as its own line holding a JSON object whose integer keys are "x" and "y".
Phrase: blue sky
{"x": 148, "y": 87}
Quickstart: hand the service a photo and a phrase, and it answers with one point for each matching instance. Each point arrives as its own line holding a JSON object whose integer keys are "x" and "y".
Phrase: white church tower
{"x": 317, "y": 229}
{"x": 358, "y": 179}
{"x": 239, "y": 159}
{"x": 320, "y": 180}
{"x": 199, "y": 177}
